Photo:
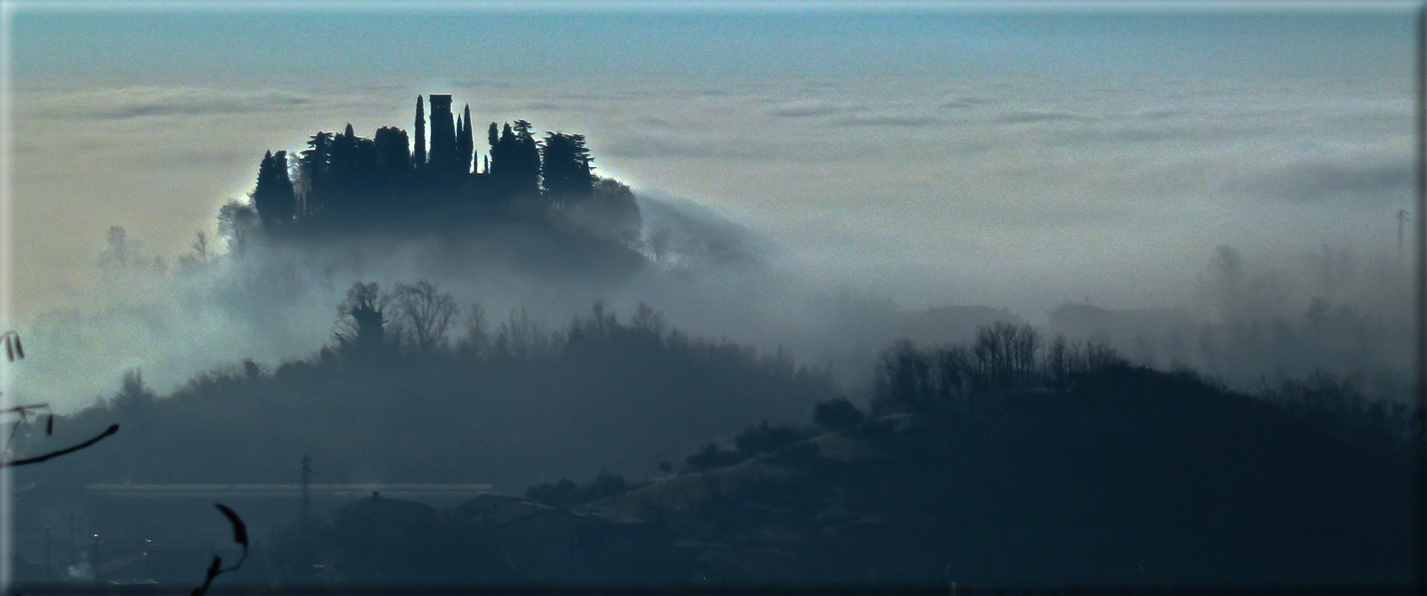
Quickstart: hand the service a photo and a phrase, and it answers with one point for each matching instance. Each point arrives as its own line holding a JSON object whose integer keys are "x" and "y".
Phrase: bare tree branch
{"x": 113, "y": 428}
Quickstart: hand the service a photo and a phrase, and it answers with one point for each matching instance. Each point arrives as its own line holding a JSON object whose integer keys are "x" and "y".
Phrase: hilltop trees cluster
{"x": 1003, "y": 357}
{"x": 1006, "y": 360}
{"x": 343, "y": 180}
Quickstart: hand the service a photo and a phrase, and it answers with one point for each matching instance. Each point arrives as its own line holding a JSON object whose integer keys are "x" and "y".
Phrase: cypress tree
{"x": 460, "y": 132}
{"x": 273, "y": 196}
{"x": 284, "y": 194}
{"x": 419, "y": 153}
{"x": 503, "y": 158}
{"x": 465, "y": 144}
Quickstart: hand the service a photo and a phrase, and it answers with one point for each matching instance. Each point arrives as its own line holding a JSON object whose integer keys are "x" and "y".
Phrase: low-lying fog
{"x": 709, "y": 276}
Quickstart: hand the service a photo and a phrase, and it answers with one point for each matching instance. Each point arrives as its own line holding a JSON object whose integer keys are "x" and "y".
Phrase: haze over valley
{"x": 745, "y": 294}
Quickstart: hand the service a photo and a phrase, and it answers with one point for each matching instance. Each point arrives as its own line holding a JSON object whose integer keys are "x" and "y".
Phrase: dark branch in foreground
{"x": 240, "y": 536}
{"x": 25, "y": 410}
{"x": 53, "y": 454}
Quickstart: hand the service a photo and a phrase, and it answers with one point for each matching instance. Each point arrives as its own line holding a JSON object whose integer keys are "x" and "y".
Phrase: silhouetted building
{"x": 443, "y": 134}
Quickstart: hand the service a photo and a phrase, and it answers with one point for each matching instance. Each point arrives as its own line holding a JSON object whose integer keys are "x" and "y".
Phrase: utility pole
{"x": 1402, "y": 217}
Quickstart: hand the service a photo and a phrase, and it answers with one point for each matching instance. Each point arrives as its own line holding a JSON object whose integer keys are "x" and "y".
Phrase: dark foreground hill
{"x": 1134, "y": 477}
{"x": 1122, "y": 476}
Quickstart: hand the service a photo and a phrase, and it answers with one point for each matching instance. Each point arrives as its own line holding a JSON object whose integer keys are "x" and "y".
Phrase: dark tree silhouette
{"x": 314, "y": 171}
{"x": 393, "y": 155}
{"x": 116, "y": 254}
{"x": 355, "y": 174}
{"x": 525, "y": 179}
{"x": 503, "y": 159}
{"x": 565, "y": 167}
{"x": 903, "y": 376}
{"x": 361, "y": 319}
{"x": 465, "y": 145}
{"x": 418, "y": 159}
{"x": 273, "y": 196}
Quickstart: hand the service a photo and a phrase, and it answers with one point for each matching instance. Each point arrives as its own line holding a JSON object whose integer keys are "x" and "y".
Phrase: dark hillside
{"x": 507, "y": 406}
{"x": 1133, "y": 477}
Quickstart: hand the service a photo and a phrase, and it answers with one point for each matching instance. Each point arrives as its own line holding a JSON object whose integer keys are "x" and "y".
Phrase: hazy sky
{"x": 932, "y": 153}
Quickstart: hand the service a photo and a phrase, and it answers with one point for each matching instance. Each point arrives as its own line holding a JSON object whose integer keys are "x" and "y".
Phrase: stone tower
{"x": 443, "y": 133}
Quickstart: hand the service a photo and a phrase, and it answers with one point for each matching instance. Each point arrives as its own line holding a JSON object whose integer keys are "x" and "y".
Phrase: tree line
{"x": 1006, "y": 359}
{"x": 1002, "y": 357}
{"x": 504, "y": 398}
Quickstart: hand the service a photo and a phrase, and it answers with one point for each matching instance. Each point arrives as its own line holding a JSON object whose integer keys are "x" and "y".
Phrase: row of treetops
{"x": 343, "y": 176}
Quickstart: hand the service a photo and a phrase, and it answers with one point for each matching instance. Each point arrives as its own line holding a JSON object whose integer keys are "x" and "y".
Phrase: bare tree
{"x": 649, "y": 321}
{"x": 991, "y": 350}
{"x": 521, "y": 337}
{"x": 116, "y": 255}
{"x": 423, "y": 314}
{"x": 902, "y": 378}
{"x": 1025, "y": 342}
{"x": 477, "y": 340}
{"x": 1058, "y": 357}
{"x": 1099, "y": 356}
{"x": 1005, "y": 355}
{"x": 200, "y": 247}
{"x": 238, "y": 222}
{"x": 955, "y": 369}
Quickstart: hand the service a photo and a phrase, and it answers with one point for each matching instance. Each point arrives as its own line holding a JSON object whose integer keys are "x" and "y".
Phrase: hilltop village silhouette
{"x": 342, "y": 181}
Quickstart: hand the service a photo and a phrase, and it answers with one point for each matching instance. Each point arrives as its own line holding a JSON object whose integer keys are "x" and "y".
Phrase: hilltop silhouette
{"x": 436, "y": 180}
